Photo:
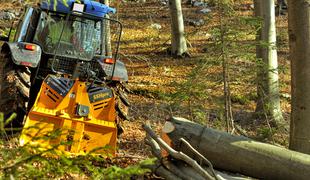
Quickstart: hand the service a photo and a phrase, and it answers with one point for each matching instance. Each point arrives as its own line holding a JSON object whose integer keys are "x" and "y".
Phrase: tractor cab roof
{"x": 84, "y": 6}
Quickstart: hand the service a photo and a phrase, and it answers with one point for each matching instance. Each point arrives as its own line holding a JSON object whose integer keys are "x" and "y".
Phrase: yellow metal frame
{"x": 53, "y": 113}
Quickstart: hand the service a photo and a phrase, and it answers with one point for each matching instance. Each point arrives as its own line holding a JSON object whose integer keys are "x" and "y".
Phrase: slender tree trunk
{"x": 268, "y": 79}
{"x": 106, "y": 39}
{"x": 108, "y": 31}
{"x": 178, "y": 41}
{"x": 259, "y": 71}
{"x": 299, "y": 39}
{"x": 225, "y": 66}
{"x": 257, "y": 13}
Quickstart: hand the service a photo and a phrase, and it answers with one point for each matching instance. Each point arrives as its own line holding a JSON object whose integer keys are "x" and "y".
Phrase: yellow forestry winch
{"x": 84, "y": 114}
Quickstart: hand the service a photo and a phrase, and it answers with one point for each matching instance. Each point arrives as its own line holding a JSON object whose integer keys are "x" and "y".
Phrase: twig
{"x": 155, "y": 147}
{"x": 173, "y": 168}
{"x": 189, "y": 43}
{"x": 162, "y": 171}
{"x": 200, "y": 156}
{"x": 241, "y": 131}
{"x": 155, "y": 49}
{"x": 176, "y": 154}
{"x": 128, "y": 157}
{"x": 156, "y": 151}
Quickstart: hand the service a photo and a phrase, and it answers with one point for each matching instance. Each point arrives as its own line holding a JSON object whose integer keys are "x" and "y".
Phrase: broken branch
{"x": 176, "y": 154}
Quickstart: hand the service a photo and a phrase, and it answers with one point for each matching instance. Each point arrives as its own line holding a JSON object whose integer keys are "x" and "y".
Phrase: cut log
{"x": 239, "y": 154}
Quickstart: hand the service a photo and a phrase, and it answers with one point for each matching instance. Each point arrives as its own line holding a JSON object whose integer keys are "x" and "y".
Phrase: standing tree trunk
{"x": 223, "y": 14}
{"x": 268, "y": 80}
{"x": 299, "y": 39}
{"x": 106, "y": 39}
{"x": 178, "y": 41}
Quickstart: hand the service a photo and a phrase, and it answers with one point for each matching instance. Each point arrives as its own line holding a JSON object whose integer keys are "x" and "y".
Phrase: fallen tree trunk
{"x": 178, "y": 165}
{"x": 236, "y": 153}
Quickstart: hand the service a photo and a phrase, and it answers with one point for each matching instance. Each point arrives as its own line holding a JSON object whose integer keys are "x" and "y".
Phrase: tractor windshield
{"x": 76, "y": 37}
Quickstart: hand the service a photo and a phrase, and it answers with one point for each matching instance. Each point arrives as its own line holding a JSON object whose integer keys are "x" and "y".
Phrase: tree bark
{"x": 240, "y": 154}
{"x": 268, "y": 79}
{"x": 178, "y": 41}
{"x": 106, "y": 39}
{"x": 299, "y": 40}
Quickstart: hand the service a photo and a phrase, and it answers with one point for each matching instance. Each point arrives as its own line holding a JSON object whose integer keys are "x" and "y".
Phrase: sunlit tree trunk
{"x": 299, "y": 39}
{"x": 178, "y": 41}
{"x": 268, "y": 80}
{"x": 107, "y": 33}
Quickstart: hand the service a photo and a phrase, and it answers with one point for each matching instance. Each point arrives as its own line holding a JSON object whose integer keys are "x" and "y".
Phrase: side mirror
{"x": 4, "y": 38}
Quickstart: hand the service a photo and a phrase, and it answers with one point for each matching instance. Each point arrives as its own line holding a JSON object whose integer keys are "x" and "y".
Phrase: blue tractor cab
{"x": 87, "y": 6}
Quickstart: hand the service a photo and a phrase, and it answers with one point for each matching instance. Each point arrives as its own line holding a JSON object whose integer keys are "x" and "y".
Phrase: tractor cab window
{"x": 76, "y": 37}
{"x": 23, "y": 25}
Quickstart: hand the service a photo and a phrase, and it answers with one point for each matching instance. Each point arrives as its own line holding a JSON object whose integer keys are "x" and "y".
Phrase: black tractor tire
{"x": 122, "y": 104}
{"x": 123, "y": 97}
{"x": 14, "y": 90}
{"x": 122, "y": 112}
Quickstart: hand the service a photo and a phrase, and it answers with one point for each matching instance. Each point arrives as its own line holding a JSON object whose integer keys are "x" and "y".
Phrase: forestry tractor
{"x": 59, "y": 71}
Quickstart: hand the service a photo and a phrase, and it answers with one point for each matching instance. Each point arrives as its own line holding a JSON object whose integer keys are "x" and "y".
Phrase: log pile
{"x": 195, "y": 149}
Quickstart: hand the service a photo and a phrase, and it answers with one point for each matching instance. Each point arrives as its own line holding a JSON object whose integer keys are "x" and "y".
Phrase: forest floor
{"x": 190, "y": 87}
